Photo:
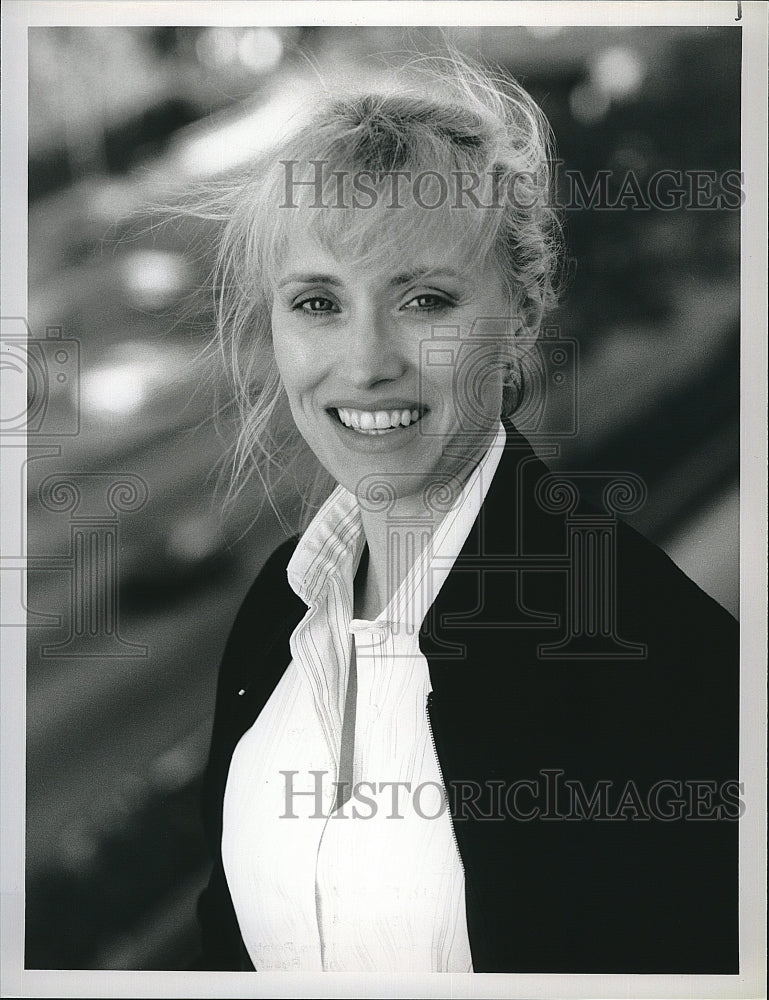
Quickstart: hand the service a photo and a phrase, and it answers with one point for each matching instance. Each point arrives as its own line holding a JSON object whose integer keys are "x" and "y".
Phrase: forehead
{"x": 380, "y": 244}
{"x": 305, "y": 250}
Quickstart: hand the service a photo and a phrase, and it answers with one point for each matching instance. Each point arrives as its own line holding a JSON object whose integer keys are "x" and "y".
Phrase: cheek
{"x": 283, "y": 362}
{"x": 293, "y": 358}
{"x": 476, "y": 379}
{"x": 282, "y": 341}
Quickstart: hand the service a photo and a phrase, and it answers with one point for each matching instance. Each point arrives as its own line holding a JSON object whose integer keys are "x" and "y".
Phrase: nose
{"x": 372, "y": 354}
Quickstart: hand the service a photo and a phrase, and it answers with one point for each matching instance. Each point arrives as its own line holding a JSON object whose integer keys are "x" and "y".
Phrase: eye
{"x": 428, "y": 302}
{"x": 315, "y": 305}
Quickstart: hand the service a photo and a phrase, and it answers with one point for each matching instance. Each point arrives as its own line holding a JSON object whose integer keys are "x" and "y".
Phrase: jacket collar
{"x": 510, "y": 523}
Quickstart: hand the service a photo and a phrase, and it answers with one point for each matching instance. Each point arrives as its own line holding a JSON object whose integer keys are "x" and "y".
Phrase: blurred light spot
{"x": 234, "y": 143}
{"x": 617, "y": 72}
{"x": 588, "y": 104}
{"x": 544, "y": 31}
{"x": 173, "y": 770}
{"x": 155, "y": 278}
{"x": 217, "y": 46}
{"x": 110, "y": 200}
{"x": 135, "y": 373}
{"x": 635, "y": 151}
{"x": 120, "y": 389}
{"x": 193, "y": 538}
{"x": 260, "y": 49}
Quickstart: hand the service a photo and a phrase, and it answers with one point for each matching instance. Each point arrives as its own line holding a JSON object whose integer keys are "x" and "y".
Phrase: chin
{"x": 433, "y": 485}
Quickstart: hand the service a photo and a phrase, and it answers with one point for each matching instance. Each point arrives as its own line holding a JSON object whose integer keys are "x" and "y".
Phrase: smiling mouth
{"x": 375, "y": 422}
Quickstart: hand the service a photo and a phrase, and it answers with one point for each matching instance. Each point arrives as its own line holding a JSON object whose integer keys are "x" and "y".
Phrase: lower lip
{"x": 368, "y": 444}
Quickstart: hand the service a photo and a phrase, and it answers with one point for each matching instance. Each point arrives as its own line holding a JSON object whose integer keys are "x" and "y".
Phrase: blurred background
{"x": 116, "y": 743}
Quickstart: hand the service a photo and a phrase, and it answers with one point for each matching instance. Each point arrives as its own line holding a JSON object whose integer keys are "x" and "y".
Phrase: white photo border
{"x": 17, "y": 16}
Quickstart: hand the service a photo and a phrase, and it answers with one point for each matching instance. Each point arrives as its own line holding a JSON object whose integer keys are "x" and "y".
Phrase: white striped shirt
{"x": 376, "y": 885}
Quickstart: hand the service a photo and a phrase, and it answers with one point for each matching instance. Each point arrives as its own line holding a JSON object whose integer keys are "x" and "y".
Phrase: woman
{"x": 444, "y": 740}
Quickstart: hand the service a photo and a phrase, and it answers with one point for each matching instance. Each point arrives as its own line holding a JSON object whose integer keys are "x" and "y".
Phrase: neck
{"x": 394, "y": 541}
{"x": 396, "y": 537}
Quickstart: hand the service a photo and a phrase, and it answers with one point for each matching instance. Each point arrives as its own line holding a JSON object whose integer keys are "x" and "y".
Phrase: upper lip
{"x": 381, "y": 404}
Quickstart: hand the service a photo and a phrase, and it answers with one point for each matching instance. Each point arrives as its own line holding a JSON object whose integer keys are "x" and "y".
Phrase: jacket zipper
{"x": 443, "y": 780}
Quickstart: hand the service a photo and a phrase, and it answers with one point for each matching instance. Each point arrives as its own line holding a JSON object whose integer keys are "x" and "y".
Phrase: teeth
{"x": 377, "y": 421}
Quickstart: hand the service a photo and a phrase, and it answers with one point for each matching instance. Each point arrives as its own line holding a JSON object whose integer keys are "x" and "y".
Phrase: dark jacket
{"x": 573, "y": 668}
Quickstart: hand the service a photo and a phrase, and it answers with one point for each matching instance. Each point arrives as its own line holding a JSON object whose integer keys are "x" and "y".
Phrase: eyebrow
{"x": 423, "y": 272}
{"x": 404, "y": 278}
{"x": 309, "y": 279}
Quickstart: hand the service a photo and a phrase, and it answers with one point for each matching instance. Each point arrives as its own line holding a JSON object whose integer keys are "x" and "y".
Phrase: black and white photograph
{"x": 383, "y": 444}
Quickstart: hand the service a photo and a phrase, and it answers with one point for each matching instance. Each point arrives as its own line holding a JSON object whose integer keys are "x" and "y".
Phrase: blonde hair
{"x": 437, "y": 118}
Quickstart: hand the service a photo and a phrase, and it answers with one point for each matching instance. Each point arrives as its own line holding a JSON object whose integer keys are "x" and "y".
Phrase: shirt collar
{"x": 333, "y": 543}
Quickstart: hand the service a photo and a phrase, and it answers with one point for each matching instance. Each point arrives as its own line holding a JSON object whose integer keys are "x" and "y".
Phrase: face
{"x": 374, "y": 389}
